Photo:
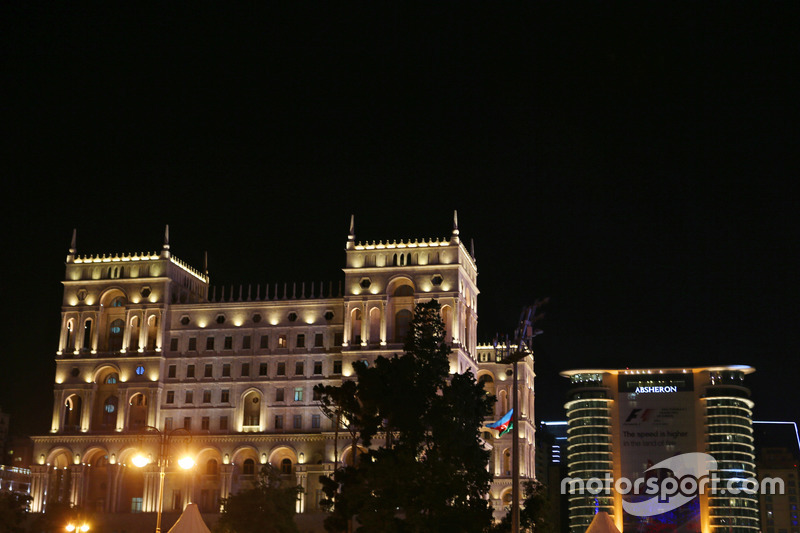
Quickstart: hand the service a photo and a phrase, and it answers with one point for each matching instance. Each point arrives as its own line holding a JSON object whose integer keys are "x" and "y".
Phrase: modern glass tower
{"x": 623, "y": 423}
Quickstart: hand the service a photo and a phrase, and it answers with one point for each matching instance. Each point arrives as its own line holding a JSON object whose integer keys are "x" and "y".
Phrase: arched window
{"x": 355, "y": 322}
{"x": 404, "y": 290}
{"x": 402, "y": 322}
{"x": 119, "y": 301}
{"x": 249, "y": 467}
{"x": 133, "y": 342}
{"x": 152, "y": 330}
{"x": 211, "y": 467}
{"x": 70, "y": 340}
{"x": 72, "y": 413}
{"x": 252, "y": 410}
{"x": 87, "y": 335}
{"x": 137, "y": 413}
{"x": 286, "y": 466}
{"x": 115, "y": 330}
{"x": 110, "y": 411}
{"x": 112, "y": 378}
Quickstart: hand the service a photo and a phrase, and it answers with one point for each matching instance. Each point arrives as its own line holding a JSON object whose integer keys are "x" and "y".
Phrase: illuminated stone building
{"x": 622, "y": 422}
{"x": 146, "y": 341}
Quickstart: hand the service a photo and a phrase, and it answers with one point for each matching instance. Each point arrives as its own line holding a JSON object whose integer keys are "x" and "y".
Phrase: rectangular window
{"x": 187, "y": 422}
{"x": 192, "y": 344}
{"x": 317, "y": 368}
{"x": 262, "y": 369}
{"x": 206, "y": 396}
{"x": 209, "y": 343}
{"x": 337, "y": 367}
{"x": 190, "y": 371}
{"x": 316, "y": 394}
{"x": 226, "y": 370}
{"x": 281, "y": 369}
{"x": 298, "y": 394}
{"x": 168, "y": 424}
{"x": 338, "y": 338}
{"x": 171, "y": 396}
{"x": 264, "y": 342}
{"x": 297, "y": 421}
{"x": 245, "y": 370}
{"x": 223, "y": 422}
{"x": 173, "y": 344}
{"x": 171, "y": 371}
{"x": 205, "y": 422}
{"x": 278, "y": 395}
{"x": 229, "y": 343}
{"x": 298, "y": 368}
{"x": 209, "y": 371}
{"x": 189, "y": 397}
{"x": 246, "y": 342}
{"x": 301, "y": 340}
{"x": 278, "y": 421}
{"x": 319, "y": 340}
{"x": 225, "y": 396}
{"x": 315, "y": 421}
{"x": 136, "y": 505}
{"x": 281, "y": 341}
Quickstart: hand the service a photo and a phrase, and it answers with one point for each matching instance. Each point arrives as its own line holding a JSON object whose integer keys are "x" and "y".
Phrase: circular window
{"x": 145, "y": 292}
{"x": 109, "y": 408}
{"x": 255, "y": 400}
{"x": 75, "y": 372}
{"x": 256, "y": 318}
{"x": 365, "y": 283}
{"x": 292, "y": 316}
{"x": 221, "y": 319}
{"x": 139, "y": 370}
{"x": 437, "y": 280}
{"x": 328, "y": 315}
{"x": 185, "y": 321}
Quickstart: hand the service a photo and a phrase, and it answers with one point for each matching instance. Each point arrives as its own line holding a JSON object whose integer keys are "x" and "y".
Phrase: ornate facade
{"x": 145, "y": 341}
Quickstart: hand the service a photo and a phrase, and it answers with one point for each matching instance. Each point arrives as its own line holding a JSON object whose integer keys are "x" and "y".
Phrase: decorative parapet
{"x": 139, "y": 257}
{"x": 394, "y": 244}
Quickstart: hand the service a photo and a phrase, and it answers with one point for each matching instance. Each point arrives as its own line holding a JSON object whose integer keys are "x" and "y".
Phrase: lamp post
{"x": 523, "y": 336}
{"x": 185, "y": 462}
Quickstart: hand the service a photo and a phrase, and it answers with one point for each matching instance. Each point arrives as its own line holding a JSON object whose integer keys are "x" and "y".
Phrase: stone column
{"x": 77, "y": 490}
{"x": 383, "y": 324}
{"x": 57, "y": 402}
{"x": 364, "y": 322}
{"x": 151, "y": 482}
{"x": 39, "y": 478}
{"x": 226, "y": 480}
{"x": 302, "y": 480}
{"x": 115, "y": 475}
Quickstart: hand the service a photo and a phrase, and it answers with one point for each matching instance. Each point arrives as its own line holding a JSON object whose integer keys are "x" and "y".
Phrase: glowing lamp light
{"x": 70, "y": 527}
{"x": 186, "y": 462}
{"x": 140, "y": 460}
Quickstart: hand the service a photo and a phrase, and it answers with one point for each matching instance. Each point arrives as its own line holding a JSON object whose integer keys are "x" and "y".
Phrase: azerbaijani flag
{"x": 504, "y": 425}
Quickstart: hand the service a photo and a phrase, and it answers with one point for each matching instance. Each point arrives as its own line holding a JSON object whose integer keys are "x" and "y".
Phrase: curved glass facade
{"x": 589, "y": 455}
{"x": 729, "y": 439}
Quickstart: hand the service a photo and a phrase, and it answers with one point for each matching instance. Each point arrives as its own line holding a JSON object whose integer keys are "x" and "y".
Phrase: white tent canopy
{"x": 602, "y": 523}
{"x": 190, "y": 521}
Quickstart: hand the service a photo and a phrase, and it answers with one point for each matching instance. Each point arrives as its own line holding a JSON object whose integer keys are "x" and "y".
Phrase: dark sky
{"x": 634, "y": 163}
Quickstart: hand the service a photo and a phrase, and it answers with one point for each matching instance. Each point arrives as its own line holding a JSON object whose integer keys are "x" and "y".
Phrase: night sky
{"x": 634, "y": 163}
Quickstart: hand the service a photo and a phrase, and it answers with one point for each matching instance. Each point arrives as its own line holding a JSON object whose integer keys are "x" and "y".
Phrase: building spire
{"x": 351, "y": 238}
{"x": 472, "y": 248}
{"x": 454, "y": 238}
{"x": 165, "y": 249}
{"x": 73, "y": 249}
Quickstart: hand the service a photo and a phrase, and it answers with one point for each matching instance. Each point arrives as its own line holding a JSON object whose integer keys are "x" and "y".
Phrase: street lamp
{"x": 185, "y": 462}
{"x": 523, "y": 338}
{"x": 74, "y": 527}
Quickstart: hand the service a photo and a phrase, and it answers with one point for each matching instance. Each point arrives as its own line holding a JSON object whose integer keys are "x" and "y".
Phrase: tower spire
{"x": 165, "y": 249}
{"x": 351, "y": 238}
{"x": 73, "y": 249}
{"x": 454, "y": 238}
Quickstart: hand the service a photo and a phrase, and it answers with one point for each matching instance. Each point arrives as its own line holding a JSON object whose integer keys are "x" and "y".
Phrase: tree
{"x": 341, "y": 406}
{"x": 429, "y": 472}
{"x": 266, "y": 508}
{"x": 536, "y": 513}
{"x": 12, "y": 511}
